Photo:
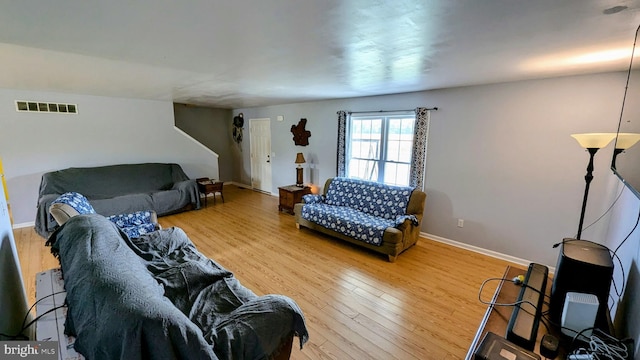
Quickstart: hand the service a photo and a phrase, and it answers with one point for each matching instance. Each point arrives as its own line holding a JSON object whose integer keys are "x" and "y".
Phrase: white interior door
{"x": 260, "y": 138}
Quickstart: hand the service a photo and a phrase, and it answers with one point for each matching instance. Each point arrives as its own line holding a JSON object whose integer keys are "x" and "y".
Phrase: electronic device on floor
{"x": 494, "y": 347}
{"x": 579, "y": 314}
{"x": 583, "y": 267}
{"x": 525, "y": 317}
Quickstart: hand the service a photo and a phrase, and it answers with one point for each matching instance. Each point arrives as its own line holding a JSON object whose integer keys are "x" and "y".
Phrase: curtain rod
{"x": 385, "y": 111}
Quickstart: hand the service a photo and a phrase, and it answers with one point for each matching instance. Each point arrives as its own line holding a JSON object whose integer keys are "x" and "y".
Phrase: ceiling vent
{"x": 46, "y": 107}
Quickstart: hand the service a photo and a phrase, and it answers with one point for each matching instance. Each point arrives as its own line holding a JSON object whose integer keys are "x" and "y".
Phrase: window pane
{"x": 399, "y": 150}
{"x": 365, "y": 149}
{"x": 396, "y": 174}
{"x": 400, "y": 139}
{"x": 366, "y": 135}
{"x": 406, "y": 148}
{"x": 363, "y": 169}
{"x": 393, "y": 149}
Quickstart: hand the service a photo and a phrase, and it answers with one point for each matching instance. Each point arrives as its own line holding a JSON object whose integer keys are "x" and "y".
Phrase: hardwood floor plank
{"x": 333, "y": 352}
{"x": 357, "y": 305}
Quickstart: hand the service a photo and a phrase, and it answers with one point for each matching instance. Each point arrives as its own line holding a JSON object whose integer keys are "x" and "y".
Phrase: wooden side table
{"x": 291, "y": 195}
{"x": 208, "y": 186}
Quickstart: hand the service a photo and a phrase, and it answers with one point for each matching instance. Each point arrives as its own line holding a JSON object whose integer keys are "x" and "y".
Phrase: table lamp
{"x": 299, "y": 170}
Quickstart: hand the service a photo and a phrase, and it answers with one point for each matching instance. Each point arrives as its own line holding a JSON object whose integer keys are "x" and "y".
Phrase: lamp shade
{"x": 300, "y": 158}
{"x": 626, "y": 140}
{"x": 594, "y": 140}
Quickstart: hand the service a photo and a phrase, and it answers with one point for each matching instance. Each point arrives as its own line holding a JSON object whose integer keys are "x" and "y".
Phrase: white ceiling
{"x": 244, "y": 53}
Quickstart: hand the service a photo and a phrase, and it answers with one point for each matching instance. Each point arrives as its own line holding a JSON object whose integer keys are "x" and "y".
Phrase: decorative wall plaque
{"x": 300, "y": 134}
{"x": 238, "y": 122}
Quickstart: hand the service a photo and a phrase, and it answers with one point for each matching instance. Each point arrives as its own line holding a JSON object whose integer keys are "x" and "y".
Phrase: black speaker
{"x": 584, "y": 267}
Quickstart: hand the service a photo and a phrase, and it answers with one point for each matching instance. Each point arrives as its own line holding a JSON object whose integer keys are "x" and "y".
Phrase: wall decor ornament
{"x": 238, "y": 123}
{"x": 300, "y": 134}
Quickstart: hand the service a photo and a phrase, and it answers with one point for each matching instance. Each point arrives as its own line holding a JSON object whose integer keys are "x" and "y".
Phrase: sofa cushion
{"x": 123, "y": 204}
{"x": 133, "y": 219}
{"x": 348, "y": 221}
{"x": 69, "y": 205}
{"x": 380, "y": 200}
{"x": 135, "y": 231}
{"x": 77, "y": 201}
{"x": 137, "y": 223}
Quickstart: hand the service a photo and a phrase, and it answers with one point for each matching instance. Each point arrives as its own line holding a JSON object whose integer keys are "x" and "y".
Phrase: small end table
{"x": 208, "y": 186}
{"x": 291, "y": 195}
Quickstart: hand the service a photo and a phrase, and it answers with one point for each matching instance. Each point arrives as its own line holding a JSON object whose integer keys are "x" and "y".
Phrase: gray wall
{"x": 212, "y": 128}
{"x": 499, "y": 156}
{"x": 625, "y": 308}
{"x": 105, "y": 131}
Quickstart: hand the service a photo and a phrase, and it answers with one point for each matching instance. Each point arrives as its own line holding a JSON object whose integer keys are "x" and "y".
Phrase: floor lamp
{"x": 623, "y": 142}
{"x": 592, "y": 142}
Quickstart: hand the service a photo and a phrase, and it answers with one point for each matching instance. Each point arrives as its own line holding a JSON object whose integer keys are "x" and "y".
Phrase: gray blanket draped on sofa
{"x": 157, "y": 297}
{"x": 119, "y": 189}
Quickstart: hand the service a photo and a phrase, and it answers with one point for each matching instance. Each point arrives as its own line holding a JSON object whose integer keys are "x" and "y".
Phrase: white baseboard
{"x": 494, "y": 254}
{"x": 24, "y": 225}
{"x": 246, "y": 186}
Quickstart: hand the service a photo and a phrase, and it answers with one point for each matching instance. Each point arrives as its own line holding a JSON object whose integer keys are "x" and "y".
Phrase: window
{"x": 379, "y": 147}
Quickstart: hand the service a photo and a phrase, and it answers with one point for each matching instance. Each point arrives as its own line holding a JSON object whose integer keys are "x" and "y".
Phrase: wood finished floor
{"x": 357, "y": 305}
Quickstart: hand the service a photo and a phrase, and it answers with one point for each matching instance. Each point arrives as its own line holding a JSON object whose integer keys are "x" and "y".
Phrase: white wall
{"x": 105, "y": 131}
{"x": 499, "y": 156}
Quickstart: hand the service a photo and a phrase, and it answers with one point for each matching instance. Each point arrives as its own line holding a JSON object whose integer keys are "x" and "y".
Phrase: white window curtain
{"x": 419, "y": 152}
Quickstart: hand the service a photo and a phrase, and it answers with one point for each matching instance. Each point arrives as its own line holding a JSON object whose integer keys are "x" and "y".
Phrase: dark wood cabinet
{"x": 291, "y": 195}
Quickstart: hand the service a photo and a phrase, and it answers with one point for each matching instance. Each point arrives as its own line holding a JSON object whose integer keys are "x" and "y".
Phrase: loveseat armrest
{"x": 411, "y": 226}
{"x": 184, "y": 184}
{"x": 416, "y": 204}
{"x": 312, "y": 199}
{"x": 189, "y": 188}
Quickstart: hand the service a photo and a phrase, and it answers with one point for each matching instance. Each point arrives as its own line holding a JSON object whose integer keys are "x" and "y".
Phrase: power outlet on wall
{"x": 460, "y": 223}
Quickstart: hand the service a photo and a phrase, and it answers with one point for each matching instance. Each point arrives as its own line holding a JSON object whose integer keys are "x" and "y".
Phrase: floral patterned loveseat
{"x": 380, "y": 217}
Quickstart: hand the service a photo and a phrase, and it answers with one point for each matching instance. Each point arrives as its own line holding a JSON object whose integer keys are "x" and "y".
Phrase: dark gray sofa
{"x": 158, "y": 297}
{"x": 118, "y": 189}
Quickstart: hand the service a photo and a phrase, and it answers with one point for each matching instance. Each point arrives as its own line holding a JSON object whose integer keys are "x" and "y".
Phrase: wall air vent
{"x": 47, "y": 107}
